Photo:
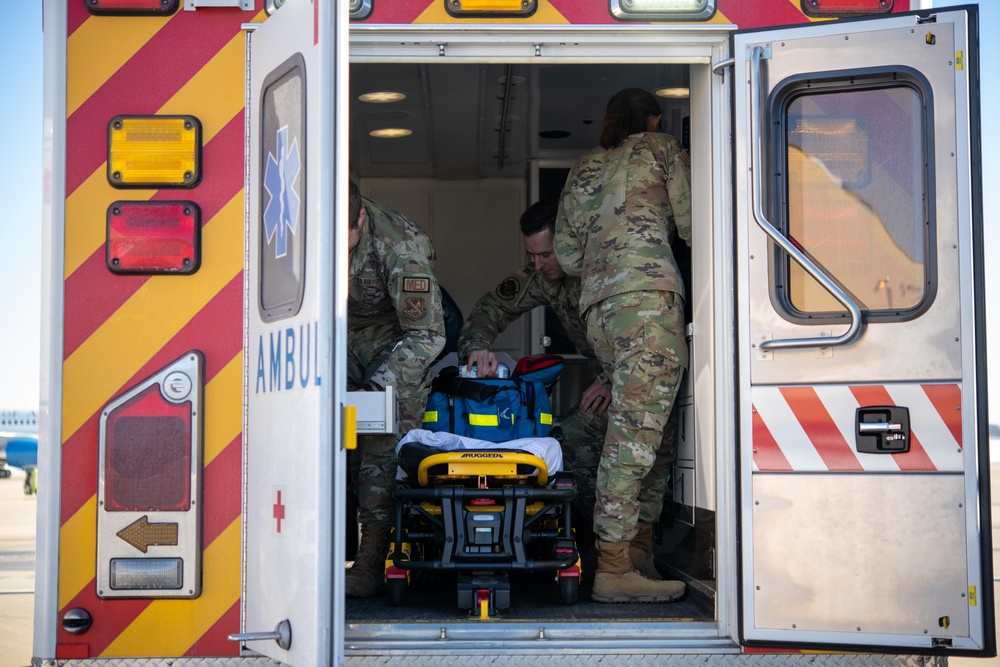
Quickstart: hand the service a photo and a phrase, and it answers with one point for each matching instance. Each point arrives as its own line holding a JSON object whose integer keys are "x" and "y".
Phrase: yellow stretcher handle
{"x": 464, "y": 460}
{"x": 350, "y": 427}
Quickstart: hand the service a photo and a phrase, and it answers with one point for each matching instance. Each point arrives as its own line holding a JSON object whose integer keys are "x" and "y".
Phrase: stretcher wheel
{"x": 569, "y": 590}
{"x": 397, "y": 592}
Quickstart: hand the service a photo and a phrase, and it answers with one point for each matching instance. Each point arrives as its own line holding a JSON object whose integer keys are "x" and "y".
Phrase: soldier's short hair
{"x": 539, "y": 216}
{"x": 355, "y": 205}
{"x": 626, "y": 114}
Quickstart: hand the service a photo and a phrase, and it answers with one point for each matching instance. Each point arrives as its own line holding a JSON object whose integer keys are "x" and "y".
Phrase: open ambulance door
{"x": 865, "y": 522}
{"x": 294, "y": 459}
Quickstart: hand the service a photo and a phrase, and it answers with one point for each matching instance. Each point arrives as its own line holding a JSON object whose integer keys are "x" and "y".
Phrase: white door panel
{"x": 291, "y": 381}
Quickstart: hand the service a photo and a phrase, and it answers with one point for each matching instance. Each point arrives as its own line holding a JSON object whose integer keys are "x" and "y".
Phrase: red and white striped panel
{"x": 811, "y": 429}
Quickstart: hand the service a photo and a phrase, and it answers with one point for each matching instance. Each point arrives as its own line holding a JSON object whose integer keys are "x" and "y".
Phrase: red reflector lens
{"x": 132, "y": 6}
{"x": 147, "y": 463}
{"x": 153, "y": 237}
{"x": 839, "y": 8}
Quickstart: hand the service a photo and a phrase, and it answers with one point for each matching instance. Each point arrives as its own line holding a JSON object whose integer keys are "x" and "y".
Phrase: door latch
{"x": 282, "y": 635}
{"x": 882, "y": 430}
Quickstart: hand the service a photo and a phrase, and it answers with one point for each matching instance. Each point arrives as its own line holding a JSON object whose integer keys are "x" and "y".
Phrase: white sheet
{"x": 547, "y": 449}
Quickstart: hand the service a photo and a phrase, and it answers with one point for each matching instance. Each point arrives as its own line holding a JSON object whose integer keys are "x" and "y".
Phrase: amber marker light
{"x": 154, "y": 151}
{"x": 481, "y": 8}
{"x": 153, "y": 237}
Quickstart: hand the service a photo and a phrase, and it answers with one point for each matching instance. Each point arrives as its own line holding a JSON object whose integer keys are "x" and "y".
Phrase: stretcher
{"x": 482, "y": 510}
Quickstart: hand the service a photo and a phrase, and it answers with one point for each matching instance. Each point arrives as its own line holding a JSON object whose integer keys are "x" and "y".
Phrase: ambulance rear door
{"x": 861, "y": 377}
{"x": 293, "y": 606}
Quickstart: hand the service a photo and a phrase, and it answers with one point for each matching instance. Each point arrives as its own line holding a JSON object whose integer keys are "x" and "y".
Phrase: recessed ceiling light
{"x": 674, "y": 93}
{"x": 382, "y": 97}
{"x": 391, "y": 133}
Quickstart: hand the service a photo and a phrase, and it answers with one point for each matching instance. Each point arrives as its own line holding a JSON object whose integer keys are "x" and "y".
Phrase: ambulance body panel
{"x": 830, "y": 493}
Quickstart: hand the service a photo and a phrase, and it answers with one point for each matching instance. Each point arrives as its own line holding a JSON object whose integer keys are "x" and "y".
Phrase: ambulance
{"x": 829, "y": 504}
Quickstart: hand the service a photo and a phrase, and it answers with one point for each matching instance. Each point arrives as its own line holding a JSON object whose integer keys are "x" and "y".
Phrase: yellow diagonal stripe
{"x": 78, "y": 536}
{"x": 151, "y": 317}
{"x": 77, "y": 552}
{"x": 99, "y": 48}
{"x": 171, "y": 627}
{"x": 224, "y": 405}
{"x": 214, "y": 96}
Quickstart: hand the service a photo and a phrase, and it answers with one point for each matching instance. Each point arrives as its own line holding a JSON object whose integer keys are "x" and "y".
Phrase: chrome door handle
{"x": 282, "y": 635}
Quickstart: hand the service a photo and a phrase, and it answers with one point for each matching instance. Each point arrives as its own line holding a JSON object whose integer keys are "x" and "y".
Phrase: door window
{"x": 853, "y": 175}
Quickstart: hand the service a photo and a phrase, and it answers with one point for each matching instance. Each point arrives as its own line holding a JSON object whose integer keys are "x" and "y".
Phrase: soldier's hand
{"x": 595, "y": 399}
{"x": 485, "y": 361}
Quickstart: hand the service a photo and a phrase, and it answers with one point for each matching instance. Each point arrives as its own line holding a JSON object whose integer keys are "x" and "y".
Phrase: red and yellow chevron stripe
{"x": 118, "y": 330}
{"x": 759, "y": 13}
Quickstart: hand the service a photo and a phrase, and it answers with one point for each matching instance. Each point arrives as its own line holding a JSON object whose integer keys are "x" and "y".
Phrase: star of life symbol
{"x": 282, "y": 210}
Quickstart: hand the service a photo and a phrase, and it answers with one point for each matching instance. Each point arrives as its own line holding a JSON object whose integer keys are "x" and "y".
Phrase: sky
{"x": 21, "y": 195}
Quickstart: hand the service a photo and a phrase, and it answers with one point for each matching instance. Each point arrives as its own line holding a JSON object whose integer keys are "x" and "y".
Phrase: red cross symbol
{"x": 279, "y": 510}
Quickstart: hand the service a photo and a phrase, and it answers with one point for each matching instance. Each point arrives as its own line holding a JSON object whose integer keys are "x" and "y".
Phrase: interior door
{"x": 292, "y": 431}
{"x": 861, "y": 375}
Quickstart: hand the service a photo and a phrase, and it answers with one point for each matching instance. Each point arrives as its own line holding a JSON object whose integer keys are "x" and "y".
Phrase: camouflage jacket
{"x": 518, "y": 294}
{"x": 618, "y": 214}
{"x": 394, "y": 298}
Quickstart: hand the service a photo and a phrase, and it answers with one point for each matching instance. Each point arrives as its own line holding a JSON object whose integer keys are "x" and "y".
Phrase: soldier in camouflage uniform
{"x": 395, "y": 329}
{"x": 544, "y": 283}
{"x": 621, "y": 207}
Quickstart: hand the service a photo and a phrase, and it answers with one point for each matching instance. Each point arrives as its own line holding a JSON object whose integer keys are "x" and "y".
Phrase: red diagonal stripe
{"x": 159, "y": 69}
{"x": 916, "y": 458}
{"x": 766, "y": 452}
{"x": 398, "y": 11}
{"x": 217, "y": 330}
{"x": 111, "y": 617}
{"x": 215, "y": 641}
{"x": 76, "y": 14}
{"x": 947, "y": 400}
{"x": 759, "y": 14}
{"x": 578, "y": 13}
{"x": 223, "y": 483}
{"x": 820, "y": 428}
{"x": 93, "y": 293}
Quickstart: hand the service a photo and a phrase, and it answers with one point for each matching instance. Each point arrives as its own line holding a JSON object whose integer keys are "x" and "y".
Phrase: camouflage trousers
{"x": 582, "y": 443}
{"x": 639, "y": 339}
{"x": 372, "y": 466}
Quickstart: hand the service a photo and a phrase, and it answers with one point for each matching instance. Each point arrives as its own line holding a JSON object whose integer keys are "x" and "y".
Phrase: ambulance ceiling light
{"x": 481, "y": 8}
{"x": 842, "y": 8}
{"x": 382, "y": 97}
{"x": 674, "y": 93}
{"x": 133, "y": 7}
{"x": 391, "y": 133}
{"x": 662, "y": 10}
{"x": 154, "y": 151}
{"x": 150, "y": 237}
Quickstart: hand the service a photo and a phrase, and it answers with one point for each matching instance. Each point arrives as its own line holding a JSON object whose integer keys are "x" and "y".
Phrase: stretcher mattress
{"x": 547, "y": 449}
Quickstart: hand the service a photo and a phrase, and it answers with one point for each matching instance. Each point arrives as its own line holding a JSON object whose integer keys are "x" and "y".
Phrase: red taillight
{"x": 158, "y": 7}
{"x": 840, "y": 8}
{"x": 153, "y": 237}
{"x": 147, "y": 463}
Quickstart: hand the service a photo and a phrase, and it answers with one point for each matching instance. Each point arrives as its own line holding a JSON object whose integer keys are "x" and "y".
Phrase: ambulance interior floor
{"x": 533, "y": 597}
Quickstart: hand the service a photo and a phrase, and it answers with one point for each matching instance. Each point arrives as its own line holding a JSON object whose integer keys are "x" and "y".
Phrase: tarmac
{"x": 17, "y": 571}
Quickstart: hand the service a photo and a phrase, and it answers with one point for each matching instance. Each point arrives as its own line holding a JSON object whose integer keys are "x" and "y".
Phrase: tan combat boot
{"x": 616, "y": 581}
{"x": 641, "y": 552}
{"x": 366, "y": 578}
